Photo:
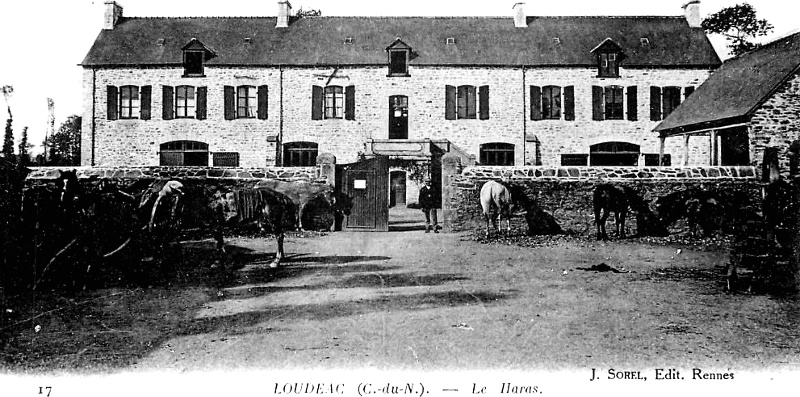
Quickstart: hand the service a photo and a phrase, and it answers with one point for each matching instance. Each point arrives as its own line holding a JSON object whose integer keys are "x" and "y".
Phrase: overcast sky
{"x": 43, "y": 41}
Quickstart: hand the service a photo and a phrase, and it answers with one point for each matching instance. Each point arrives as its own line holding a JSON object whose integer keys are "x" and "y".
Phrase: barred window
{"x": 184, "y": 153}
{"x": 300, "y": 154}
{"x": 497, "y": 153}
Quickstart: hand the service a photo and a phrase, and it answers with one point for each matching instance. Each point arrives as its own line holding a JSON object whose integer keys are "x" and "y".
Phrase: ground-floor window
{"x": 614, "y": 154}
{"x": 300, "y": 154}
{"x": 651, "y": 160}
{"x": 184, "y": 153}
{"x": 574, "y": 159}
{"x": 497, "y": 153}
{"x": 225, "y": 159}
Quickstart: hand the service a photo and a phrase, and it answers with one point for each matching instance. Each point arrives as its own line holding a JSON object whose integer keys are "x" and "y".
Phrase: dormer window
{"x": 195, "y": 54}
{"x": 399, "y": 55}
{"x": 609, "y": 55}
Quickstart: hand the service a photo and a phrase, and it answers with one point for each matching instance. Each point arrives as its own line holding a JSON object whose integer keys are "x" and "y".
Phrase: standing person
{"x": 427, "y": 201}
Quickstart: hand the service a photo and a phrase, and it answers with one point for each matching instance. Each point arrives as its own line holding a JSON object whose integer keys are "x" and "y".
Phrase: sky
{"x": 42, "y": 42}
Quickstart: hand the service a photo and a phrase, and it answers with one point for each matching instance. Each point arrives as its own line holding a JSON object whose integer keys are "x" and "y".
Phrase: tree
{"x": 8, "y": 138}
{"x": 301, "y": 13}
{"x": 739, "y": 26}
{"x": 65, "y": 145}
{"x": 23, "y": 150}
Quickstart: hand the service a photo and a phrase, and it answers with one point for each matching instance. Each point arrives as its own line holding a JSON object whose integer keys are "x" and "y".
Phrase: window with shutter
{"x": 112, "y": 95}
{"x": 263, "y": 100}
{"x": 184, "y": 102}
{"x": 465, "y": 103}
{"x": 551, "y": 102}
{"x": 671, "y": 98}
{"x": 569, "y": 103}
{"x": 536, "y": 102}
{"x": 483, "y": 102}
{"x": 246, "y": 102}
{"x": 167, "y": 102}
{"x": 129, "y": 102}
{"x": 334, "y": 102}
{"x": 633, "y": 103}
{"x": 613, "y": 103}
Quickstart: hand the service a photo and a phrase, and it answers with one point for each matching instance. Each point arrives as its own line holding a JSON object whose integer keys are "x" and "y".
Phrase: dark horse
{"x": 608, "y": 198}
{"x": 273, "y": 213}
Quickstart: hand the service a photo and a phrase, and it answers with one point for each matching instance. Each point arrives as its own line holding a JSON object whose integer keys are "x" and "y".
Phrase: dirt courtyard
{"x": 407, "y": 300}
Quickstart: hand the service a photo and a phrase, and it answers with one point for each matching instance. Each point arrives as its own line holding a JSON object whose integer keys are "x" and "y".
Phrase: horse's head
{"x": 68, "y": 186}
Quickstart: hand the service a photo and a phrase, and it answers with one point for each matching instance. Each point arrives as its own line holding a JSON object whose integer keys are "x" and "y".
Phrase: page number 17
{"x": 46, "y": 389}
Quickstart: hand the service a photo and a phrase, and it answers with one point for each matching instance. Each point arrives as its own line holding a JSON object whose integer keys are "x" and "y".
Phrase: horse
{"x": 272, "y": 211}
{"x": 608, "y": 198}
{"x": 303, "y": 193}
{"x": 496, "y": 197}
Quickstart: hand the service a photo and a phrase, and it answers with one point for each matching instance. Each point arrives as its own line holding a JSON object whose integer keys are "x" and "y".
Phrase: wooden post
{"x": 713, "y": 141}
{"x": 661, "y": 139}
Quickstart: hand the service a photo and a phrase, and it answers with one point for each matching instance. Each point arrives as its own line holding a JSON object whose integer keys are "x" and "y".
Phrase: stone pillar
{"x": 661, "y": 142}
{"x": 326, "y": 169}
{"x": 686, "y": 150}
{"x": 451, "y": 168}
{"x": 712, "y": 138}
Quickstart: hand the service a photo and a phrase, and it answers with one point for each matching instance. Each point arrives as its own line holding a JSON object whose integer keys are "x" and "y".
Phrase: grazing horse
{"x": 302, "y": 193}
{"x": 496, "y": 197}
{"x": 608, "y": 198}
{"x": 272, "y": 211}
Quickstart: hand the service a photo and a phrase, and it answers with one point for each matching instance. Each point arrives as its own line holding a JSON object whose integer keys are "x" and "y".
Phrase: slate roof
{"x": 492, "y": 41}
{"x": 736, "y": 90}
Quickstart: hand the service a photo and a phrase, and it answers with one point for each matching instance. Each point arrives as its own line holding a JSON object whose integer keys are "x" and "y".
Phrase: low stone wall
{"x": 610, "y": 173}
{"x": 562, "y": 196}
{"x": 183, "y": 173}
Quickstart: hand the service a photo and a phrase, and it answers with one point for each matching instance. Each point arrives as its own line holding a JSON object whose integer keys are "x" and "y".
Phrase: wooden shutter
{"x": 633, "y": 103}
{"x": 350, "y": 102}
{"x": 483, "y": 102}
{"x": 450, "y": 102}
{"x": 687, "y": 91}
{"x": 655, "y": 103}
{"x": 597, "y": 103}
{"x": 167, "y": 104}
{"x": 536, "y": 102}
{"x": 569, "y": 103}
{"x": 316, "y": 102}
{"x": 111, "y": 102}
{"x": 230, "y": 102}
{"x": 202, "y": 95}
{"x": 144, "y": 95}
{"x": 263, "y": 100}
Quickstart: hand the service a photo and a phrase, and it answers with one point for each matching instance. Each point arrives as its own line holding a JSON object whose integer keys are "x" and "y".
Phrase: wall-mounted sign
{"x": 360, "y": 184}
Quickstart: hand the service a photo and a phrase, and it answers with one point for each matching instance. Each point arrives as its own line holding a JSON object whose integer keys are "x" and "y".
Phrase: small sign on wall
{"x": 360, "y": 184}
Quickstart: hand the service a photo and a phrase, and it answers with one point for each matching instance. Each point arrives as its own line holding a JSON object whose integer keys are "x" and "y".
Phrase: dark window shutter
{"x": 536, "y": 102}
{"x": 633, "y": 103}
{"x": 687, "y": 91}
{"x": 167, "y": 107}
{"x": 316, "y": 102}
{"x": 483, "y": 99}
{"x": 569, "y": 103}
{"x": 450, "y": 102}
{"x": 597, "y": 103}
{"x": 655, "y": 103}
{"x": 230, "y": 102}
{"x": 144, "y": 95}
{"x": 263, "y": 100}
{"x": 350, "y": 102}
{"x": 202, "y": 94}
{"x": 111, "y": 102}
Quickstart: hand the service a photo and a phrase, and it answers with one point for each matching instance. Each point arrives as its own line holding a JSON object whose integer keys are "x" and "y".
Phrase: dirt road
{"x": 411, "y": 300}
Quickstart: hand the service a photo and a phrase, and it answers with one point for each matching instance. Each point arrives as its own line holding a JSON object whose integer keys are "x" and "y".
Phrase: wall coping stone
{"x": 611, "y": 173}
{"x": 284, "y": 173}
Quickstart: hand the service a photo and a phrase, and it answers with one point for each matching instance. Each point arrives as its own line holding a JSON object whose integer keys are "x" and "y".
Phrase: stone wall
{"x": 776, "y": 123}
{"x": 564, "y": 194}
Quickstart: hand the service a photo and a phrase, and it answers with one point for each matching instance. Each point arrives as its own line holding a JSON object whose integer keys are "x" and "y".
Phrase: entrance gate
{"x": 367, "y": 183}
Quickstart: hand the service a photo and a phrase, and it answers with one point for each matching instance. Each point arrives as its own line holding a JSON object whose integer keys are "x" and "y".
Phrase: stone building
{"x": 747, "y": 111}
{"x": 276, "y": 91}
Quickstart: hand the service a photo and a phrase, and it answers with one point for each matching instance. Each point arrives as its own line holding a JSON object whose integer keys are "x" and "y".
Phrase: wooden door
{"x": 367, "y": 185}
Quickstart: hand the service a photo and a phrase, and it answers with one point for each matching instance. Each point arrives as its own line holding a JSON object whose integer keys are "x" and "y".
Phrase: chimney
{"x": 519, "y": 15}
{"x": 692, "y": 12}
{"x": 113, "y": 15}
{"x": 284, "y": 11}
